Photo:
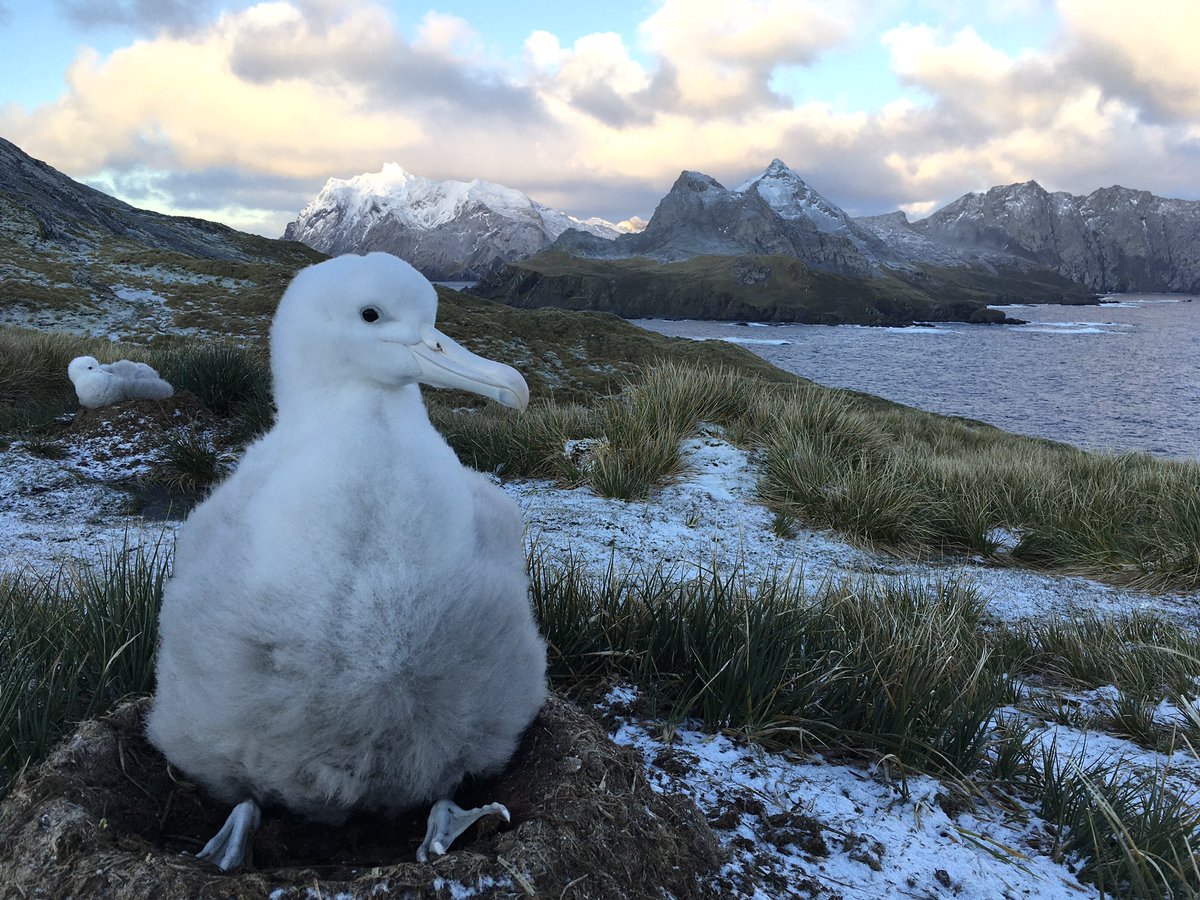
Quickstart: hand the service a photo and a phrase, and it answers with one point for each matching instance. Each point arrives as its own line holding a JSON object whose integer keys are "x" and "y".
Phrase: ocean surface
{"x": 1121, "y": 376}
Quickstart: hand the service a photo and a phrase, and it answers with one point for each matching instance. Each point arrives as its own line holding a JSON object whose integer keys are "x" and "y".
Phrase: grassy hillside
{"x": 122, "y": 288}
{"x": 764, "y": 289}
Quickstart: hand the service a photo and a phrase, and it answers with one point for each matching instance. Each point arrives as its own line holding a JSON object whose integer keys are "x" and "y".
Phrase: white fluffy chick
{"x": 348, "y": 625}
{"x": 98, "y": 385}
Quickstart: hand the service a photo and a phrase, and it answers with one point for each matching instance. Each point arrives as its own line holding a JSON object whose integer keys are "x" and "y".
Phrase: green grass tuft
{"x": 190, "y": 464}
{"x": 72, "y": 645}
{"x": 223, "y": 378}
{"x": 901, "y": 670}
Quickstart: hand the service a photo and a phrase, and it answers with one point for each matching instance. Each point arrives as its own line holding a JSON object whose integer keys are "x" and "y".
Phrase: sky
{"x": 239, "y": 111}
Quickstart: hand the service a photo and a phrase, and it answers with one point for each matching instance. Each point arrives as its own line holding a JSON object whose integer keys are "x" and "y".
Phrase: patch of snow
{"x": 712, "y": 517}
{"x": 843, "y": 830}
{"x": 55, "y": 513}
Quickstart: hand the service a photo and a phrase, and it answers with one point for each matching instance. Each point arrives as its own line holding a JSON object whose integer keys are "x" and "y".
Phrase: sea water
{"x": 1121, "y": 376}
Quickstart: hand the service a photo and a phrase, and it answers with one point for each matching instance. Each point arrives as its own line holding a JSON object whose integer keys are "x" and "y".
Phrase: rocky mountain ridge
{"x": 776, "y": 213}
{"x": 1115, "y": 239}
{"x": 814, "y": 262}
{"x": 450, "y": 230}
{"x": 40, "y": 204}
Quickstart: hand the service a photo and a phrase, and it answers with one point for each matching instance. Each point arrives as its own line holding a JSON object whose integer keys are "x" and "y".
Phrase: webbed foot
{"x": 231, "y": 845}
{"x": 447, "y": 820}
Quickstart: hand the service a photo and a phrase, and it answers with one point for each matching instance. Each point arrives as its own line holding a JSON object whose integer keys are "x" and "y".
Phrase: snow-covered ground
{"x": 795, "y": 825}
{"x": 801, "y": 825}
{"x": 53, "y": 509}
{"x": 712, "y": 517}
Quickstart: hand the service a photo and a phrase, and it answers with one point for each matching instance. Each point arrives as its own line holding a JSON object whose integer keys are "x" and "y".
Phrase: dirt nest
{"x": 105, "y": 816}
{"x": 140, "y": 426}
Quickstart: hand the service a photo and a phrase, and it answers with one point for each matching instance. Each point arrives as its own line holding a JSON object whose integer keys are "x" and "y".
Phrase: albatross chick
{"x": 103, "y": 384}
{"x": 348, "y": 625}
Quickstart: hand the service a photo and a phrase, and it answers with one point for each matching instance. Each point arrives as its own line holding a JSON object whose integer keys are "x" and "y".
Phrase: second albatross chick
{"x": 348, "y": 624}
{"x": 103, "y": 384}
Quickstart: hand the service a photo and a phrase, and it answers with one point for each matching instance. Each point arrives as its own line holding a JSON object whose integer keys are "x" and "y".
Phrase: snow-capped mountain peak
{"x": 792, "y": 198}
{"x": 415, "y": 200}
{"x": 448, "y": 229}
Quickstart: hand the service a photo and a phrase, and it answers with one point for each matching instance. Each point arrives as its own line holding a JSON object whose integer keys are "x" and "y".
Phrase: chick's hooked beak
{"x": 447, "y": 364}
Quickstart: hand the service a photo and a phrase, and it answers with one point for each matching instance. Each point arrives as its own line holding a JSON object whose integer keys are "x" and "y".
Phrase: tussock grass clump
{"x": 34, "y": 387}
{"x": 72, "y": 645}
{"x": 909, "y": 670}
{"x": 643, "y": 427}
{"x": 1143, "y": 655}
{"x": 223, "y": 378}
{"x": 529, "y": 443}
{"x": 190, "y": 463}
{"x": 901, "y": 670}
{"x": 1132, "y": 834}
{"x": 1124, "y": 829}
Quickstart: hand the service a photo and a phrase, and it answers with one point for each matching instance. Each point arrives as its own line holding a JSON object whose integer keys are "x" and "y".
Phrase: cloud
{"x": 252, "y": 111}
{"x": 359, "y": 48}
{"x": 5, "y": 15}
{"x": 717, "y": 55}
{"x": 142, "y": 16}
{"x": 1044, "y": 114}
{"x": 261, "y": 203}
{"x": 596, "y": 76}
{"x": 1146, "y": 56}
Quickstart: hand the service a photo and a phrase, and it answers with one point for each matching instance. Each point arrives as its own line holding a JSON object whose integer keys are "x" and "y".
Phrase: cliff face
{"x": 1114, "y": 239}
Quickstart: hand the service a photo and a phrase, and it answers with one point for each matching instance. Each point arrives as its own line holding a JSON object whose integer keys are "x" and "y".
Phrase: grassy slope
{"x": 764, "y": 288}
{"x": 825, "y": 447}
{"x": 578, "y": 356}
{"x": 72, "y": 281}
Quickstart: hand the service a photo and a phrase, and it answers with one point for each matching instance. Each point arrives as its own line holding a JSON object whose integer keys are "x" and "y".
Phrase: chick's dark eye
{"x": 370, "y": 314}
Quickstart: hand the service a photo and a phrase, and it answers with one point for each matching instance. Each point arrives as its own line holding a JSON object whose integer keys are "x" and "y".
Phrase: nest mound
{"x": 140, "y": 425}
{"x": 105, "y": 816}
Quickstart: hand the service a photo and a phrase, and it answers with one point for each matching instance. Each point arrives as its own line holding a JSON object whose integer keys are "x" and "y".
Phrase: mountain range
{"x": 1014, "y": 244}
{"x": 1017, "y": 243}
{"x": 1112, "y": 240}
{"x": 772, "y": 249}
{"x": 450, "y": 230}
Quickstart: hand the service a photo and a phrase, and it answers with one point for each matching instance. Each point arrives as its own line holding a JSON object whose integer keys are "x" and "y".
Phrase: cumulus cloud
{"x": 718, "y": 55}
{"x": 359, "y": 49}
{"x": 142, "y": 16}
{"x": 1146, "y": 57}
{"x": 270, "y": 100}
{"x": 596, "y": 76}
